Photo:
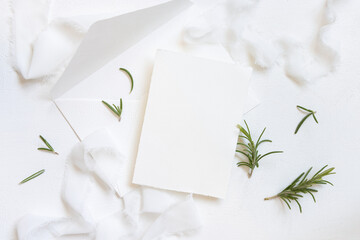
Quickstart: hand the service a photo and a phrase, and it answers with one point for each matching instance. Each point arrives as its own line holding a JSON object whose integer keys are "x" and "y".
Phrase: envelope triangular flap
{"x": 108, "y": 38}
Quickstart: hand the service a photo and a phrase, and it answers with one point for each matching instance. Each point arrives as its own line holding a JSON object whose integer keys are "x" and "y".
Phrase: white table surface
{"x": 26, "y": 111}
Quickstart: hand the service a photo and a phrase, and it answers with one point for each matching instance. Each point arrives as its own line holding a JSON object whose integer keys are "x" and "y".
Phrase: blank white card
{"x": 189, "y": 133}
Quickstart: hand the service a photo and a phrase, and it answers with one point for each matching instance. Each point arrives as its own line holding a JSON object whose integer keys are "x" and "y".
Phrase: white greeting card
{"x": 189, "y": 133}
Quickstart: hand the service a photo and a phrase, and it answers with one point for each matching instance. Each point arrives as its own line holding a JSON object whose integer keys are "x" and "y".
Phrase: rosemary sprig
{"x": 309, "y": 113}
{"x": 250, "y": 150}
{"x": 32, "y": 176}
{"x": 117, "y": 110}
{"x": 301, "y": 185}
{"x": 130, "y": 77}
{"x": 49, "y": 149}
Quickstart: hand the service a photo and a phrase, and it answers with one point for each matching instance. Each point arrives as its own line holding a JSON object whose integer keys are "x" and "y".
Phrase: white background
{"x": 26, "y": 111}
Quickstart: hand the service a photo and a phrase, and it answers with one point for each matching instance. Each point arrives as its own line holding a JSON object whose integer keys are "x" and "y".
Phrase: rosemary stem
{"x": 251, "y": 172}
{"x": 269, "y": 198}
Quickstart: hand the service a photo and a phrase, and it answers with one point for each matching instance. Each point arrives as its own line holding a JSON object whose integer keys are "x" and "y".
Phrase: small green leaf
{"x": 298, "y": 205}
{"x": 111, "y": 108}
{"x": 301, "y": 122}
{"x": 257, "y": 143}
{"x": 266, "y": 154}
{"x": 49, "y": 149}
{"x": 117, "y": 110}
{"x": 310, "y": 113}
{"x": 313, "y": 197}
{"x": 32, "y": 176}
{"x": 286, "y": 201}
{"x": 243, "y": 164}
{"x": 263, "y": 141}
{"x": 315, "y": 118}
{"x": 305, "y": 109}
{"x": 242, "y": 153}
{"x": 130, "y": 77}
{"x": 45, "y": 149}
{"x": 121, "y": 106}
{"x": 46, "y": 142}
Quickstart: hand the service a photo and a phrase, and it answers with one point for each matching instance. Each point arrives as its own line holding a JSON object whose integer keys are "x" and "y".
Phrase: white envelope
{"x": 93, "y": 74}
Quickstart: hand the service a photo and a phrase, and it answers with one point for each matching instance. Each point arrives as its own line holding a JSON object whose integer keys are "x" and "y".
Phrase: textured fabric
{"x": 233, "y": 24}
{"x": 44, "y": 41}
{"x": 90, "y": 191}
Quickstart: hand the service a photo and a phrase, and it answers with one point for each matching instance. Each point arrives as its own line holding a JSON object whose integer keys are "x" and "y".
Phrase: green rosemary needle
{"x": 32, "y": 176}
{"x": 301, "y": 185}
{"x": 250, "y": 150}
{"x": 309, "y": 113}
{"x": 130, "y": 77}
{"x": 49, "y": 147}
{"x": 117, "y": 110}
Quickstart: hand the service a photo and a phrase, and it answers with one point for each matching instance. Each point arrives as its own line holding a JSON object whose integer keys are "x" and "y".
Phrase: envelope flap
{"x": 108, "y": 38}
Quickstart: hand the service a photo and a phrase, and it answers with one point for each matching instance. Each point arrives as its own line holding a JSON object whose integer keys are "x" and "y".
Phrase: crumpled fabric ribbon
{"x": 179, "y": 219}
{"x": 98, "y": 211}
{"x": 42, "y": 45}
{"x": 229, "y": 23}
{"x": 32, "y": 227}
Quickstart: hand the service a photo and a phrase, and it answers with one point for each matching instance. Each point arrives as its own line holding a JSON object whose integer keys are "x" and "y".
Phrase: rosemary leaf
{"x": 305, "y": 109}
{"x": 310, "y": 113}
{"x": 110, "y": 107}
{"x": 46, "y": 142}
{"x": 301, "y": 122}
{"x": 32, "y": 176}
{"x": 130, "y": 77}
{"x": 250, "y": 150}
{"x": 302, "y": 185}
{"x": 45, "y": 149}
{"x": 117, "y": 110}
{"x": 315, "y": 118}
{"x": 121, "y": 106}
{"x": 49, "y": 149}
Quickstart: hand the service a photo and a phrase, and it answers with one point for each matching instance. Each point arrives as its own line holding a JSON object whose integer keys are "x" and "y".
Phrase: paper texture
{"x": 189, "y": 132}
